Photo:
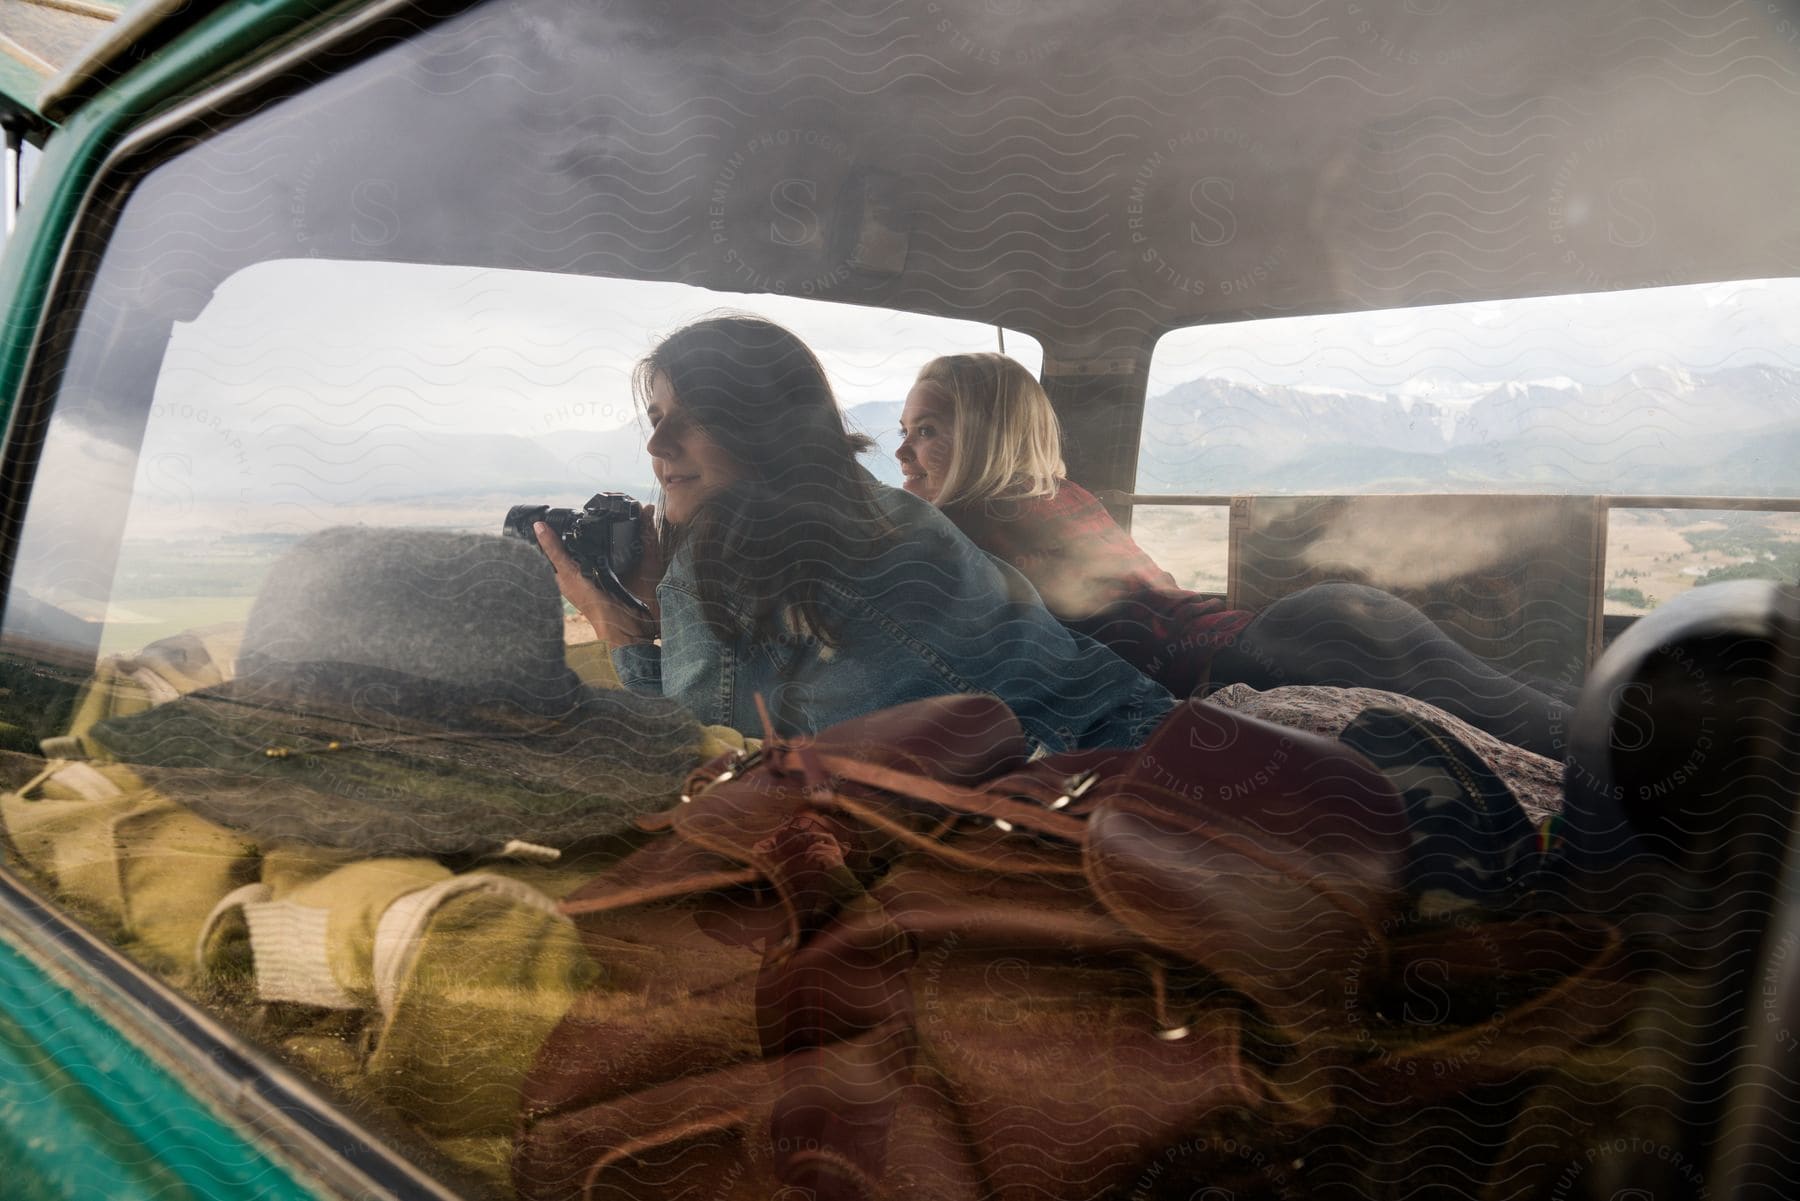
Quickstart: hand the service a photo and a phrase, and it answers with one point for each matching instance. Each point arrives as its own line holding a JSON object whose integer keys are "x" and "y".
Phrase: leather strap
{"x": 1590, "y": 995}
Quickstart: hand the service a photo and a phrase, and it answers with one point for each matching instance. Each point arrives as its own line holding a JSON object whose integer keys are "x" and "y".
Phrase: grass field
{"x": 1661, "y": 553}
{"x": 144, "y": 621}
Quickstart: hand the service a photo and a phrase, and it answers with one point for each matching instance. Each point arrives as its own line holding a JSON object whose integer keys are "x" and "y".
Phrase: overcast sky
{"x": 1456, "y": 352}
{"x": 362, "y": 345}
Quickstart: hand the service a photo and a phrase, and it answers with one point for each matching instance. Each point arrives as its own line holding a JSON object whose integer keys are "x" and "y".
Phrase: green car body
{"x": 97, "y": 1099}
{"x": 90, "y": 1112}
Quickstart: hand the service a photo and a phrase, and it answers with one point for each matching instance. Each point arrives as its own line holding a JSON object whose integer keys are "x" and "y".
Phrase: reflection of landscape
{"x": 1725, "y": 432}
{"x": 1655, "y": 554}
{"x": 1190, "y": 543}
{"x": 1651, "y": 554}
{"x": 208, "y": 518}
{"x": 166, "y": 586}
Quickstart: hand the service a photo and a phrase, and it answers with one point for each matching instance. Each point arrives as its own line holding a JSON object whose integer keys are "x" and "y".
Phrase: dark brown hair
{"x": 803, "y": 511}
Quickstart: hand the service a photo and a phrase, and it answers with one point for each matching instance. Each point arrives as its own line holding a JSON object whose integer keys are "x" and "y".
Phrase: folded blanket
{"x": 1534, "y": 779}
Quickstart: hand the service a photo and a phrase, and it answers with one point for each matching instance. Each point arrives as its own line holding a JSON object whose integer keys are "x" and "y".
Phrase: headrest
{"x": 1670, "y": 718}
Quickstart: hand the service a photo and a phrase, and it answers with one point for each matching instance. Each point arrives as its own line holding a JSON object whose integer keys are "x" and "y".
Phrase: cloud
{"x": 1594, "y": 339}
{"x": 470, "y": 349}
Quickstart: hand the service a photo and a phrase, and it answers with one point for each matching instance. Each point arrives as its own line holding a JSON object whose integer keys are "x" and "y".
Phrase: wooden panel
{"x": 1516, "y": 579}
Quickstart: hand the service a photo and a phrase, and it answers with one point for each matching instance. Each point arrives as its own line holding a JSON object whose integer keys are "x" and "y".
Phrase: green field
{"x": 169, "y": 615}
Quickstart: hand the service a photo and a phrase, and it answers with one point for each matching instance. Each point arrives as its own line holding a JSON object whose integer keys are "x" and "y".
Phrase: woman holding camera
{"x": 791, "y": 574}
{"x": 981, "y": 441}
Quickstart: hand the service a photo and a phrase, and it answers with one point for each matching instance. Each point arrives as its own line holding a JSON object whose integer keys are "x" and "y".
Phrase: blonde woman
{"x": 789, "y": 581}
{"x": 981, "y": 441}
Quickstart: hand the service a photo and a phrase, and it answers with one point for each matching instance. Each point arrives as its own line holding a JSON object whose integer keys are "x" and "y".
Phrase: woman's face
{"x": 927, "y": 438}
{"x": 689, "y": 465}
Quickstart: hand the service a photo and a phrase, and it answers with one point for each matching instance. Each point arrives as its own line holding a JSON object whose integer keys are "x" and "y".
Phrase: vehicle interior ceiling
{"x": 1057, "y": 168}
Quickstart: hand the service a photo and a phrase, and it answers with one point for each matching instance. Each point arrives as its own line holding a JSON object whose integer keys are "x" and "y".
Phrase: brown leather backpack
{"x": 901, "y": 960}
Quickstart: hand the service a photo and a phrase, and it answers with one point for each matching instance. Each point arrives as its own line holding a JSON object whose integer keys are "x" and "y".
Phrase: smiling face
{"x": 928, "y": 436}
{"x": 689, "y": 465}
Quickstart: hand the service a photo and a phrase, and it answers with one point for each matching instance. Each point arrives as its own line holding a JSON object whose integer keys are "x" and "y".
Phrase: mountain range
{"x": 1730, "y": 431}
{"x": 1726, "y": 432}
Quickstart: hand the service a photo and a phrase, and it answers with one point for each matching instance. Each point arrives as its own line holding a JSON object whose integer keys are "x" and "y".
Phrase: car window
{"x": 334, "y": 398}
{"x": 1669, "y": 392}
{"x": 559, "y": 912}
{"x": 313, "y": 393}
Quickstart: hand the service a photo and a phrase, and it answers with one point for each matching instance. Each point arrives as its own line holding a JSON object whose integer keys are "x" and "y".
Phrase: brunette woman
{"x": 793, "y": 575}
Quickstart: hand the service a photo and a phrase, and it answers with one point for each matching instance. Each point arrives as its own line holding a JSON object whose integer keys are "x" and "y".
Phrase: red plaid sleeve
{"x": 1100, "y": 582}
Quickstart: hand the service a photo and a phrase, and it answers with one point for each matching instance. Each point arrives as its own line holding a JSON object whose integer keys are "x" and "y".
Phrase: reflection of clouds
{"x": 1434, "y": 543}
{"x": 65, "y": 551}
{"x": 169, "y": 478}
{"x": 629, "y": 108}
{"x": 311, "y": 392}
{"x": 478, "y": 349}
{"x": 1592, "y": 339}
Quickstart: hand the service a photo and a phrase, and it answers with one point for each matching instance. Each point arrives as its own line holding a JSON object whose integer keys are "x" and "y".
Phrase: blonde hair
{"x": 1008, "y": 443}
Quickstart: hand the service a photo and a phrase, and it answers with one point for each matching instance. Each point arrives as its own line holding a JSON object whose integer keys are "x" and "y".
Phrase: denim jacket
{"x": 928, "y": 616}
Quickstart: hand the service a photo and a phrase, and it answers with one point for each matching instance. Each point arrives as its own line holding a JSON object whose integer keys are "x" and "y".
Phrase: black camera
{"x": 606, "y": 537}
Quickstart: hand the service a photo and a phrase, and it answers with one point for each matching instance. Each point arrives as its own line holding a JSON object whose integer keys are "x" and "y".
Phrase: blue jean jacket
{"x": 930, "y": 616}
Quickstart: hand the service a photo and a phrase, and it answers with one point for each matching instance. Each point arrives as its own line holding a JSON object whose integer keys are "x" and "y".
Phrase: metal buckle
{"x": 1076, "y": 786}
{"x": 744, "y": 762}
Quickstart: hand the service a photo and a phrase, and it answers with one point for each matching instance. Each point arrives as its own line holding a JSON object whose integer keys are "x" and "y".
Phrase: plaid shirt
{"x": 1098, "y": 581}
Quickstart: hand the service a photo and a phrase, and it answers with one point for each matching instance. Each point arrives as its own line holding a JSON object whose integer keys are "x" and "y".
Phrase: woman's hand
{"x": 613, "y": 622}
{"x": 648, "y": 574}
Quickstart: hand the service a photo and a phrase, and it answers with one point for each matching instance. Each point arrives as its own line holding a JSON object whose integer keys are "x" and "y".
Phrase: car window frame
{"x": 52, "y": 261}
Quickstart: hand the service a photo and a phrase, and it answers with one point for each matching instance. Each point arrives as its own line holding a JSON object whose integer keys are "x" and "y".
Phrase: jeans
{"x": 1354, "y": 636}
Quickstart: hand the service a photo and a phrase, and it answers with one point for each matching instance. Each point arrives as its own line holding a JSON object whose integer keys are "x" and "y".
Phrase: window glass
{"x": 288, "y": 722}
{"x": 1190, "y": 542}
{"x": 311, "y": 393}
{"x": 1655, "y": 555}
{"x": 1670, "y": 391}
{"x": 1680, "y": 391}
{"x": 249, "y": 643}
